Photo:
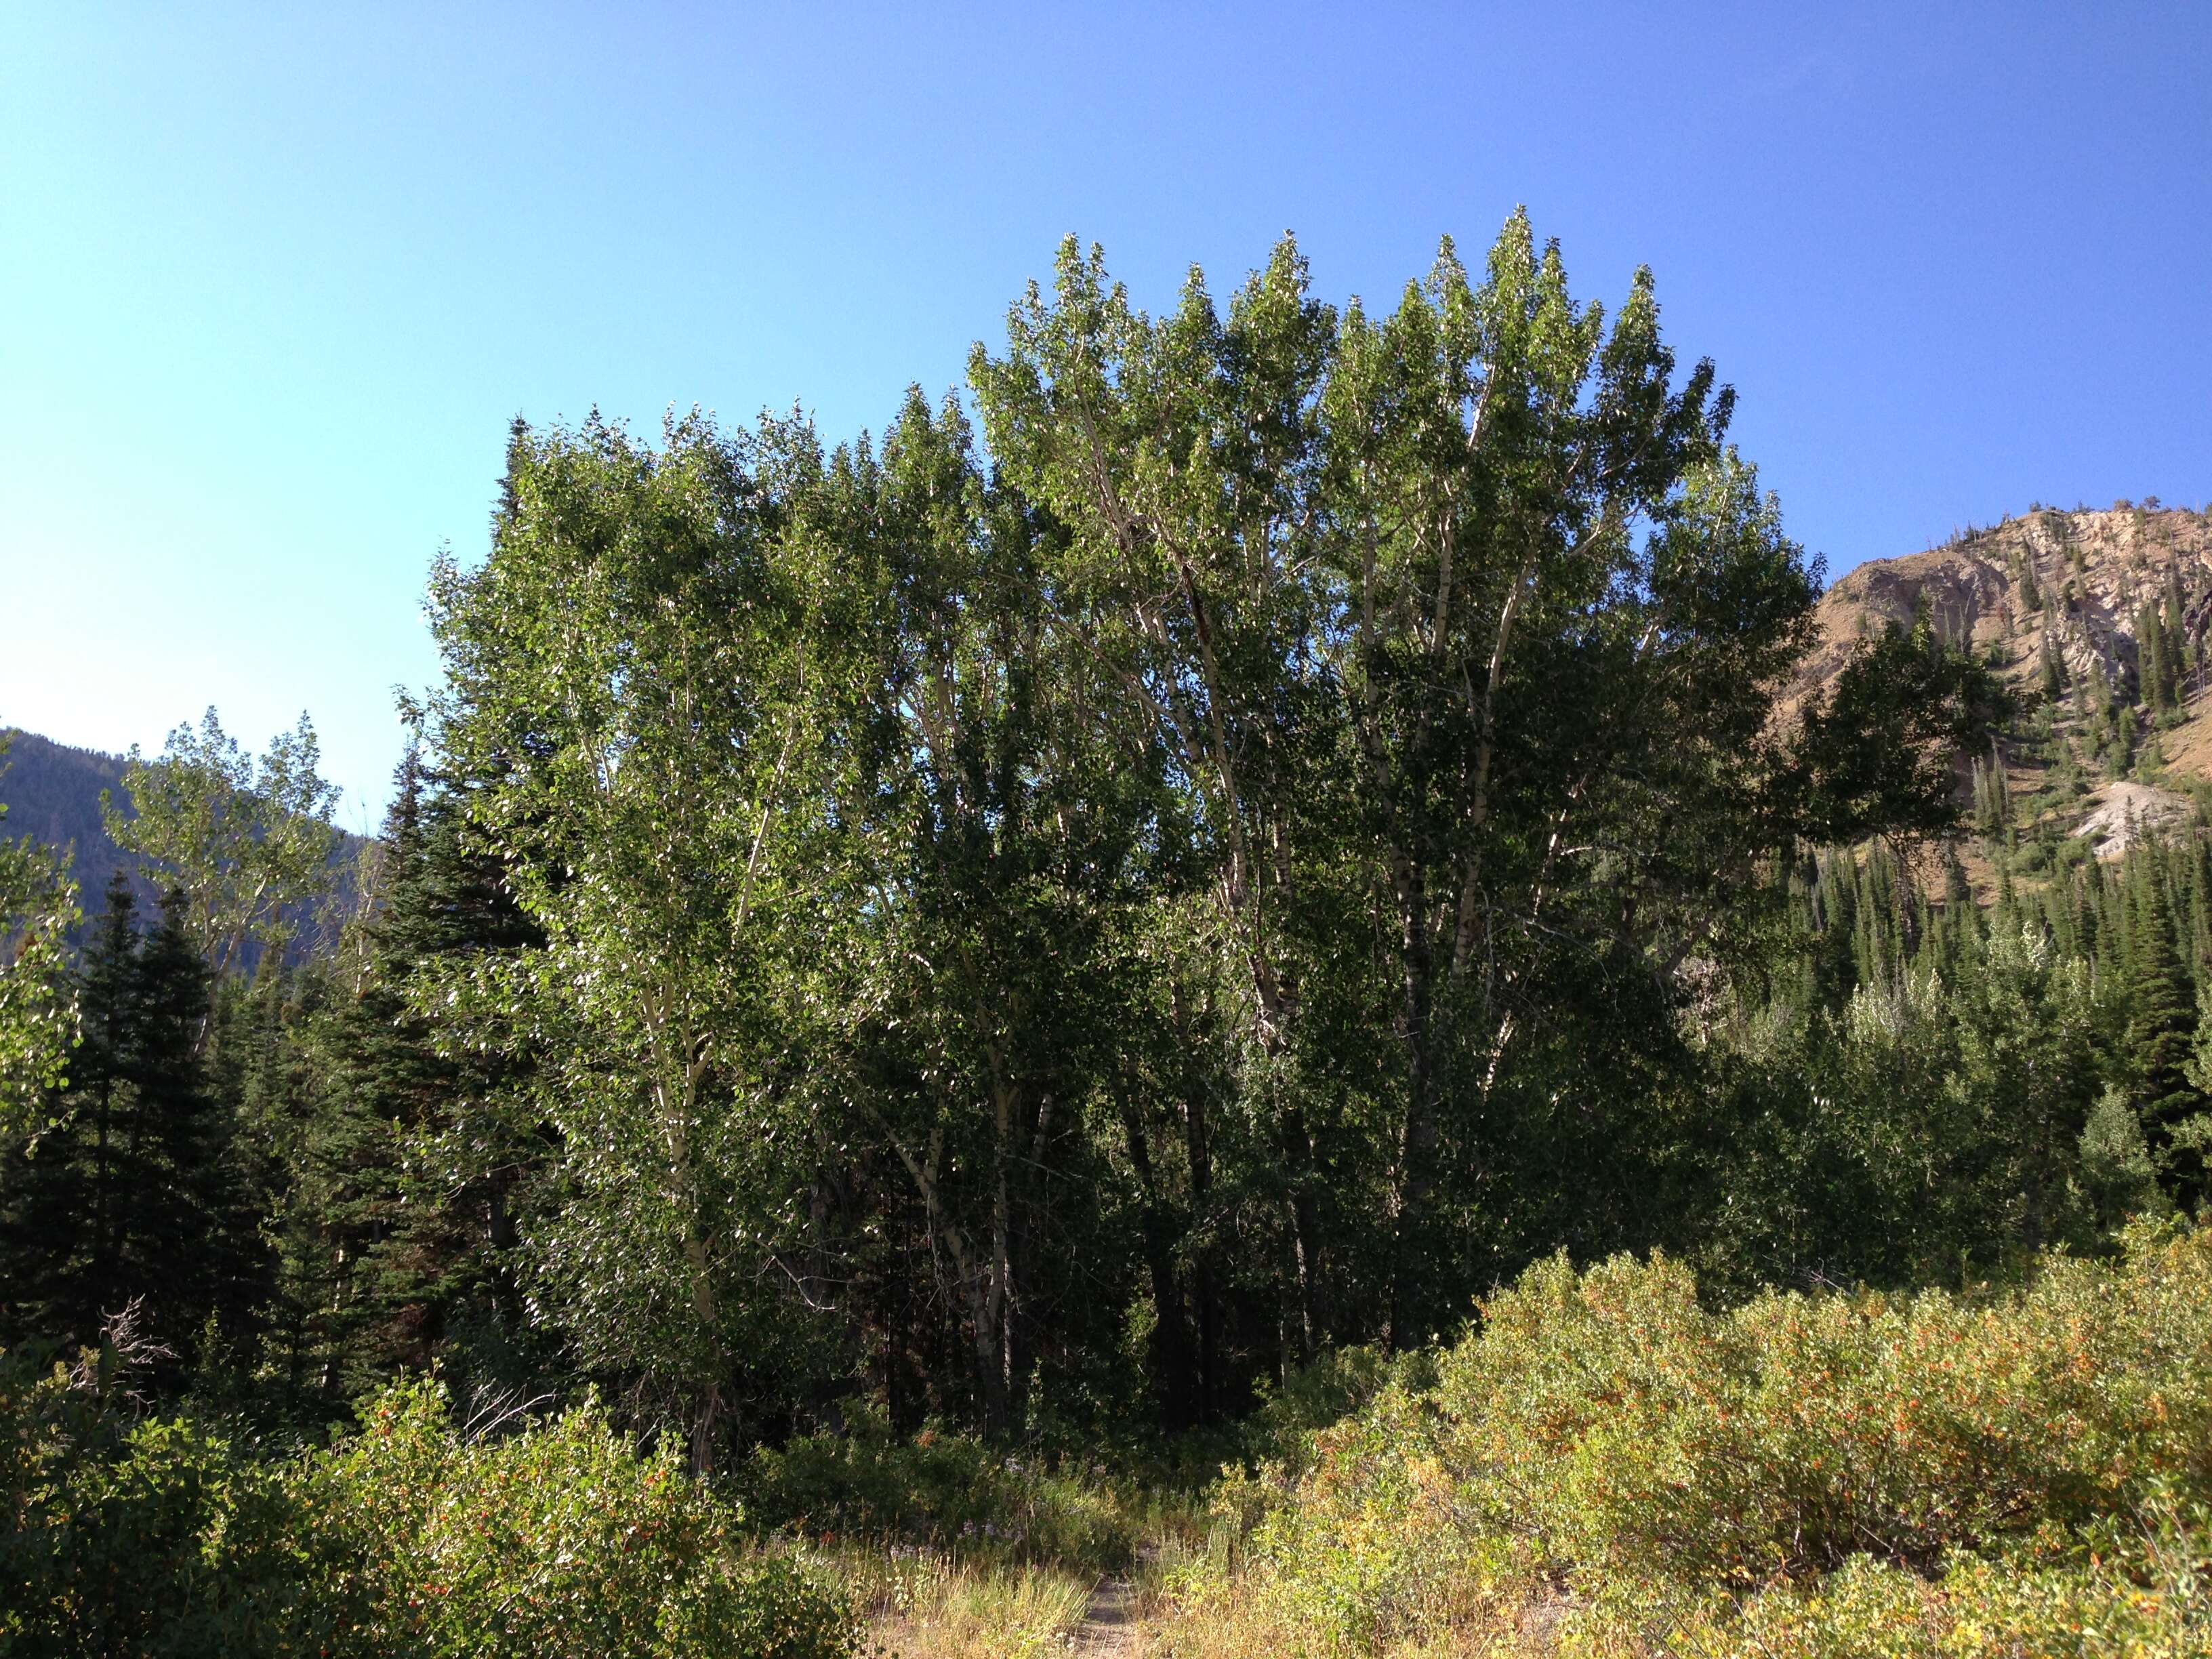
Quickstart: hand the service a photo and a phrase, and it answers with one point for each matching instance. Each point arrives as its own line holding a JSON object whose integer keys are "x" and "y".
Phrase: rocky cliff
{"x": 2100, "y": 621}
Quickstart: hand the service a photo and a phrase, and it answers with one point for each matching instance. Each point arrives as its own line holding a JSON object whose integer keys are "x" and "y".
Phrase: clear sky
{"x": 273, "y": 279}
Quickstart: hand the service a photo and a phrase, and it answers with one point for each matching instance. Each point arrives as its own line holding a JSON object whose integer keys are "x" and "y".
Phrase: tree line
{"x": 1231, "y": 839}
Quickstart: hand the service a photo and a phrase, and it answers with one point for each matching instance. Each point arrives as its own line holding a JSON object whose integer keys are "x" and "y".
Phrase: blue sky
{"x": 273, "y": 280}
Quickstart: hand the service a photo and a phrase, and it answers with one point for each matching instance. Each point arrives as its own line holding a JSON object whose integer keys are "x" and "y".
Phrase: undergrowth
{"x": 406, "y": 1539}
{"x": 1608, "y": 1467}
{"x": 1605, "y": 1466}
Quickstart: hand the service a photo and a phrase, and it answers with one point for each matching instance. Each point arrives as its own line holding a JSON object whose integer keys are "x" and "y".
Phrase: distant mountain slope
{"x": 2065, "y": 598}
{"x": 2082, "y": 577}
{"x": 52, "y": 793}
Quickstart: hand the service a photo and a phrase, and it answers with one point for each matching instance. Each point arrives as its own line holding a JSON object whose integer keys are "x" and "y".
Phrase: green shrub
{"x": 153, "y": 1538}
{"x": 945, "y": 1489}
{"x": 405, "y": 1542}
{"x": 557, "y": 1543}
{"x": 1978, "y": 1609}
{"x": 1606, "y": 1433}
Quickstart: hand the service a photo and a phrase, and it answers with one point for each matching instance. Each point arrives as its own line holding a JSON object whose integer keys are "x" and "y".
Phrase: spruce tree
{"x": 194, "y": 1236}
{"x": 134, "y": 1195}
{"x": 62, "y": 1196}
{"x": 2151, "y": 659}
{"x": 2174, "y": 637}
{"x": 2198, "y": 922}
{"x": 398, "y": 1222}
{"x": 2052, "y": 673}
{"x": 2161, "y": 1011}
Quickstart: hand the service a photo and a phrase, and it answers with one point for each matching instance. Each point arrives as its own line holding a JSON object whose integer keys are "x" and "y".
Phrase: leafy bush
{"x": 129, "y": 1537}
{"x": 558, "y": 1541}
{"x": 1814, "y": 1461}
{"x": 944, "y": 1489}
{"x": 405, "y": 1542}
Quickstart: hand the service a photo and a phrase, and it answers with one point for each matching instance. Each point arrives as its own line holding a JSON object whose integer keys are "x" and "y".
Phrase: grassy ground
{"x": 919, "y": 1603}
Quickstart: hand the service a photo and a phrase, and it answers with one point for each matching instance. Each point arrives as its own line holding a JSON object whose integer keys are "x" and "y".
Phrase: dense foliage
{"x": 407, "y": 1537}
{"x": 893, "y": 967}
{"x": 2019, "y": 1471}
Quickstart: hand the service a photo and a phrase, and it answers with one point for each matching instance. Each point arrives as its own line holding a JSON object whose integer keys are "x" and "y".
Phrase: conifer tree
{"x": 2197, "y": 922}
{"x": 2174, "y": 637}
{"x": 400, "y": 1220}
{"x": 2161, "y": 1011}
{"x": 62, "y": 1198}
{"x": 2151, "y": 659}
{"x": 1835, "y": 899}
{"x": 191, "y": 1240}
{"x": 134, "y": 1194}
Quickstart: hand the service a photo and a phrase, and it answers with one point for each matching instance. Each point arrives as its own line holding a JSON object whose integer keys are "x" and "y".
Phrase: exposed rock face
{"x": 2082, "y": 577}
{"x": 2075, "y": 589}
{"x": 2128, "y": 812}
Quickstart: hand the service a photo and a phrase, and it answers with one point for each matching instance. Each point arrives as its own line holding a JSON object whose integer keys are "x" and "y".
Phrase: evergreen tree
{"x": 2161, "y": 1011}
{"x": 191, "y": 1240}
{"x": 134, "y": 1195}
{"x": 1835, "y": 895}
{"x": 2151, "y": 665}
{"x": 397, "y": 1223}
{"x": 61, "y": 1209}
{"x": 2174, "y": 638}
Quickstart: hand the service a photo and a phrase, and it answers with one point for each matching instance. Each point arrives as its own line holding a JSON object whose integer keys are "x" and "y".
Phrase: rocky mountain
{"x": 2098, "y": 619}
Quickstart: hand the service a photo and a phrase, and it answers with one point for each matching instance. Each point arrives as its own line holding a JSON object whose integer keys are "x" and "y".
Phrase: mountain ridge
{"x": 51, "y": 792}
{"x": 2098, "y": 621}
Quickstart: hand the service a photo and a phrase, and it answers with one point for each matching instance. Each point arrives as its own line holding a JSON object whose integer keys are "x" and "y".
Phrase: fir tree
{"x": 2151, "y": 667}
{"x": 135, "y": 1196}
{"x": 192, "y": 1236}
{"x": 398, "y": 1223}
{"x": 61, "y": 1206}
{"x": 2174, "y": 638}
{"x": 2161, "y": 1010}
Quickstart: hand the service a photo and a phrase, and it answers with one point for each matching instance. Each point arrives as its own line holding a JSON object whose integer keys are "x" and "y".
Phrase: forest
{"x": 1237, "y": 959}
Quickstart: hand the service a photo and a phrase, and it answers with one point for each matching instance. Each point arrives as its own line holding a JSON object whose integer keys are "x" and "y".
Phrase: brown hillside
{"x": 2082, "y": 581}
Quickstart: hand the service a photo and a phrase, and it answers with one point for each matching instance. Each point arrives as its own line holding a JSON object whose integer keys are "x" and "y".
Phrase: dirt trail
{"x": 1109, "y": 1627}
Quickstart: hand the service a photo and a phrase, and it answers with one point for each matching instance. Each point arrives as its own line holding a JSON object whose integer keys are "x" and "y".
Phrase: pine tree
{"x": 191, "y": 1237}
{"x": 2197, "y": 918}
{"x": 1836, "y": 917}
{"x": 61, "y": 1205}
{"x": 2174, "y": 637}
{"x": 1992, "y": 797}
{"x": 2161, "y": 1010}
{"x": 2053, "y": 670}
{"x": 397, "y": 1223}
{"x": 135, "y": 1195}
{"x": 2151, "y": 670}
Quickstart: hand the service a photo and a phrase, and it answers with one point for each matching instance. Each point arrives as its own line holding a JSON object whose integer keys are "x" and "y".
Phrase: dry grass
{"x": 1176, "y": 1604}
{"x": 923, "y": 1604}
{"x": 1237, "y": 1619}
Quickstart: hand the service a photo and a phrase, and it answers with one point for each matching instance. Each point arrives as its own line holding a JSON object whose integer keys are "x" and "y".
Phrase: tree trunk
{"x": 1198, "y": 1153}
{"x": 1415, "y": 1174}
{"x": 1305, "y": 1232}
{"x": 1172, "y": 1376}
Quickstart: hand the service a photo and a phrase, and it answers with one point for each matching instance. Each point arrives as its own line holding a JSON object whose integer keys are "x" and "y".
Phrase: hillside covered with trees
{"x": 925, "y": 988}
